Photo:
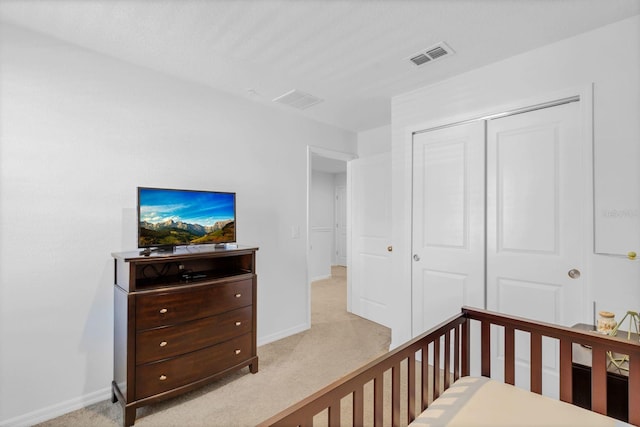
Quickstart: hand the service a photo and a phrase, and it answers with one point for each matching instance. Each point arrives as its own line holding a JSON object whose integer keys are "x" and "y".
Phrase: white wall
{"x": 374, "y": 141}
{"x": 79, "y": 131}
{"x": 608, "y": 58}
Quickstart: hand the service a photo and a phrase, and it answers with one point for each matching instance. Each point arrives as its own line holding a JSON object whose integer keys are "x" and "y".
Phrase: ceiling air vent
{"x": 432, "y": 53}
{"x": 420, "y": 59}
{"x": 298, "y": 99}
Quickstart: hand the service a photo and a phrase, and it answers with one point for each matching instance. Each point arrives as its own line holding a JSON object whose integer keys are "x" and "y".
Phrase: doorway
{"x": 327, "y": 219}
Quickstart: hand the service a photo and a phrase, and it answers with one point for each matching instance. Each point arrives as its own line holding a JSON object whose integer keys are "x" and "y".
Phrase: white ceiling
{"x": 350, "y": 53}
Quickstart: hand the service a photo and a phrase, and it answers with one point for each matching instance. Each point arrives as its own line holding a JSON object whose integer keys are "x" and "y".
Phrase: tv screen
{"x": 168, "y": 217}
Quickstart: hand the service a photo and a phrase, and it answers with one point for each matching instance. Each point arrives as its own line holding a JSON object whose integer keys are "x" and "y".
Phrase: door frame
{"x": 336, "y": 215}
{"x": 336, "y": 155}
{"x": 585, "y": 96}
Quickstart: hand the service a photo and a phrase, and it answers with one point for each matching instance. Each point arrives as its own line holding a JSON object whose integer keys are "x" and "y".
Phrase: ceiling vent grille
{"x": 420, "y": 59}
{"x": 297, "y": 99}
{"x": 431, "y": 53}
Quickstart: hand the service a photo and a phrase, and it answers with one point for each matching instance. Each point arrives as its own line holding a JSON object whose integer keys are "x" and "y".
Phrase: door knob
{"x": 416, "y": 257}
{"x": 574, "y": 273}
{"x": 389, "y": 248}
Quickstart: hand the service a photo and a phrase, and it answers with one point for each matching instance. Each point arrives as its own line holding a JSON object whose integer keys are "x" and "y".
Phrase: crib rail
{"x": 303, "y": 412}
{"x": 447, "y": 346}
{"x": 600, "y": 345}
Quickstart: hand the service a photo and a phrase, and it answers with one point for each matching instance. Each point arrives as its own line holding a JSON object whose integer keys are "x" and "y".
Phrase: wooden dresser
{"x": 181, "y": 319}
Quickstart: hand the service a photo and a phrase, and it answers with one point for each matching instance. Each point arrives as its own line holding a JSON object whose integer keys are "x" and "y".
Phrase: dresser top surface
{"x": 183, "y": 251}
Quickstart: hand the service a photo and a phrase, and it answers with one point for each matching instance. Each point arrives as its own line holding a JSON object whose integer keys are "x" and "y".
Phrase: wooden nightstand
{"x": 617, "y": 379}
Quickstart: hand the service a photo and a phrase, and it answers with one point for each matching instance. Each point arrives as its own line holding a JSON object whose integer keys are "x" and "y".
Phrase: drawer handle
{"x": 163, "y": 343}
{"x": 162, "y": 377}
{"x": 163, "y": 310}
{"x": 238, "y": 351}
{"x": 238, "y": 323}
{"x": 238, "y": 295}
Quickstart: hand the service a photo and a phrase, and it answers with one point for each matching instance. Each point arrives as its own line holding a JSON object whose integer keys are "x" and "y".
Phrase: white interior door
{"x": 370, "y": 271}
{"x": 535, "y": 205}
{"x": 448, "y": 223}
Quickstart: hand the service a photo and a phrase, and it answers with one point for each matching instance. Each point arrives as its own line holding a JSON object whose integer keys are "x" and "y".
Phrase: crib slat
{"x": 436, "y": 368}
{"x": 466, "y": 348}
{"x": 395, "y": 395}
{"x": 566, "y": 371}
{"x": 456, "y": 353}
{"x": 447, "y": 359}
{"x": 485, "y": 337}
{"x": 634, "y": 386}
{"x": 425, "y": 377}
{"x": 599, "y": 380}
{"x": 411, "y": 382}
{"x": 334, "y": 414}
{"x": 509, "y": 355}
{"x": 358, "y": 407}
{"x": 378, "y": 401}
{"x": 536, "y": 362}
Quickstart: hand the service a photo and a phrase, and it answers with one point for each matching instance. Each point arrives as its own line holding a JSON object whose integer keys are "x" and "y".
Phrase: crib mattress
{"x": 480, "y": 401}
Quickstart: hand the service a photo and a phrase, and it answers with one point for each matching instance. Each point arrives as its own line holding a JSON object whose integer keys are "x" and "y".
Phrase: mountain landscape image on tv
{"x": 169, "y": 217}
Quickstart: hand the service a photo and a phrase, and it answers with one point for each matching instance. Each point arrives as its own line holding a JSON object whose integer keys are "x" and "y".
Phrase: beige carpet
{"x": 290, "y": 369}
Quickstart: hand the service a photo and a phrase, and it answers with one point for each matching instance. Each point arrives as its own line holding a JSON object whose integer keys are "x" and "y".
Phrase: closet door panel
{"x": 448, "y": 223}
{"x": 535, "y": 220}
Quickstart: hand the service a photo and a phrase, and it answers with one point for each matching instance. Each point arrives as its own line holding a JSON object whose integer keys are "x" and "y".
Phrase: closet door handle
{"x": 416, "y": 257}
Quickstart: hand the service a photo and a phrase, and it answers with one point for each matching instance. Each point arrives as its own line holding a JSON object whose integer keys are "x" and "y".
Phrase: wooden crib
{"x": 450, "y": 348}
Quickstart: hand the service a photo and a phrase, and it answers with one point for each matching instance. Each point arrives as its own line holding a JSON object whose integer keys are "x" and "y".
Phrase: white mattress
{"x": 480, "y": 401}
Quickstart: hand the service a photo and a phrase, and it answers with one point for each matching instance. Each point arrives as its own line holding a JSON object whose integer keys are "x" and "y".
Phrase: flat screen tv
{"x": 169, "y": 217}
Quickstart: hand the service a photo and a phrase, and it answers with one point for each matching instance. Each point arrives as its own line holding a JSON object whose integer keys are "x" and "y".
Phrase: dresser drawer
{"x": 166, "y": 308}
{"x": 165, "y": 342}
{"x": 157, "y": 377}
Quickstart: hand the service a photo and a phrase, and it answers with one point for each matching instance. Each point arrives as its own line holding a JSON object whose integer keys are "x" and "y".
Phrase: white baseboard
{"x": 53, "y": 411}
{"x": 283, "y": 334}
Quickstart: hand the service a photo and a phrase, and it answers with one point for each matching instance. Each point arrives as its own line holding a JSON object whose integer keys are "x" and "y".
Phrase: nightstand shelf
{"x": 617, "y": 380}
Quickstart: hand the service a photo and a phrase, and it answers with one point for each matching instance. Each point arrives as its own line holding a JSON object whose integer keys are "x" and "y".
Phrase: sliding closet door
{"x": 448, "y": 223}
{"x": 535, "y": 205}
